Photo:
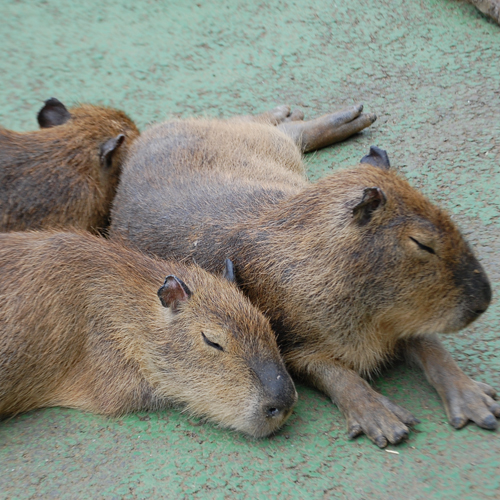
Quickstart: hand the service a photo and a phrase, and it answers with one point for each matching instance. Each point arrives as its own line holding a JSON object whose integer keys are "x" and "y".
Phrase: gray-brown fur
{"x": 350, "y": 270}
{"x": 489, "y": 7}
{"x": 63, "y": 175}
{"x": 81, "y": 326}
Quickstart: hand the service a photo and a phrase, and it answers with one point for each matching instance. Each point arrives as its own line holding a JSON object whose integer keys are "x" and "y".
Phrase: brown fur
{"x": 54, "y": 177}
{"x": 81, "y": 326}
{"x": 343, "y": 296}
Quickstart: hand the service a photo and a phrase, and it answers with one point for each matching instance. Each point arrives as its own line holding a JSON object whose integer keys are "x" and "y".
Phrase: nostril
{"x": 480, "y": 311}
{"x": 272, "y": 412}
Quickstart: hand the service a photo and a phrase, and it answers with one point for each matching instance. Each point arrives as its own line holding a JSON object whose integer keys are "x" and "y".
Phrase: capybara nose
{"x": 481, "y": 294}
{"x": 479, "y": 297}
{"x": 278, "y": 411}
{"x": 279, "y": 391}
{"x": 272, "y": 412}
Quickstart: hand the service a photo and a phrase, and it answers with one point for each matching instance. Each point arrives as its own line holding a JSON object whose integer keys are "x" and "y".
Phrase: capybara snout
{"x": 418, "y": 271}
{"x": 233, "y": 359}
{"x": 279, "y": 394}
{"x": 113, "y": 335}
{"x": 477, "y": 294}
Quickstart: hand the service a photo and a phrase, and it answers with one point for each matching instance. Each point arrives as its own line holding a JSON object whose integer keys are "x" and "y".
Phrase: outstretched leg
{"x": 328, "y": 129}
{"x": 464, "y": 399}
{"x": 366, "y": 411}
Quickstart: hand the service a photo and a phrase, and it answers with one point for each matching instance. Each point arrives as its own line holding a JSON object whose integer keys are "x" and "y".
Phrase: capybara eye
{"x": 210, "y": 343}
{"x": 423, "y": 247}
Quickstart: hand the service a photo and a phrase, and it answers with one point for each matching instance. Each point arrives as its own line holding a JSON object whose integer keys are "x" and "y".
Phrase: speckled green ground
{"x": 430, "y": 70}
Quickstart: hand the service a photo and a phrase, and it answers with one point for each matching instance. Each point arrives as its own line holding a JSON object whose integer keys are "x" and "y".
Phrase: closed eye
{"x": 423, "y": 247}
{"x": 210, "y": 343}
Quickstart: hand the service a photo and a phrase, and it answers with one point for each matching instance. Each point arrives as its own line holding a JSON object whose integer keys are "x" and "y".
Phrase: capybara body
{"x": 66, "y": 173}
{"x": 351, "y": 270}
{"x": 85, "y": 324}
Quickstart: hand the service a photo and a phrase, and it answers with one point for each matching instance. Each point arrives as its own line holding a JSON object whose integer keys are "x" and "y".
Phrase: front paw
{"x": 379, "y": 418}
{"x": 470, "y": 400}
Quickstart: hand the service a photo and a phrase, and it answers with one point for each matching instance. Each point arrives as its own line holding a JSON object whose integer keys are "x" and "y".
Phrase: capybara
{"x": 66, "y": 173}
{"x": 87, "y": 323}
{"x": 351, "y": 270}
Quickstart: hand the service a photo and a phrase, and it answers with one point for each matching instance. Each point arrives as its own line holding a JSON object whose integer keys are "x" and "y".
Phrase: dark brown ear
{"x": 229, "y": 271}
{"x": 373, "y": 199}
{"x": 54, "y": 113}
{"x": 108, "y": 148}
{"x": 377, "y": 157}
{"x": 173, "y": 292}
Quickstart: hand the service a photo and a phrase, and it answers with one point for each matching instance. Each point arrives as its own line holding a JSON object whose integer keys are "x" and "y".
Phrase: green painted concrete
{"x": 430, "y": 70}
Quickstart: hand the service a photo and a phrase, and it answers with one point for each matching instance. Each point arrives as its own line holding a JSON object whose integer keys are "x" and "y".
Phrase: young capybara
{"x": 351, "y": 270}
{"x": 66, "y": 173}
{"x": 86, "y": 323}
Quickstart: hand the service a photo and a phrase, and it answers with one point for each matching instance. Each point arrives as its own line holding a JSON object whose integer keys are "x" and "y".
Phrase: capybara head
{"x": 393, "y": 261}
{"x": 103, "y": 134}
{"x": 65, "y": 174}
{"x": 223, "y": 361}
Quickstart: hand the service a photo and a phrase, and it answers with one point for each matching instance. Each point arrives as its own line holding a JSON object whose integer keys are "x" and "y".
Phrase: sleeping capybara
{"x": 89, "y": 324}
{"x": 351, "y": 270}
{"x": 66, "y": 173}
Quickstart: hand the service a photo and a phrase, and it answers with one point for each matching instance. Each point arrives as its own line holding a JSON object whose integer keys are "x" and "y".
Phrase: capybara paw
{"x": 472, "y": 401}
{"x": 381, "y": 420}
{"x": 284, "y": 113}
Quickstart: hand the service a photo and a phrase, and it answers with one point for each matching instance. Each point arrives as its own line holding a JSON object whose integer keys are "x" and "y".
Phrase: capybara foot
{"x": 379, "y": 418}
{"x": 471, "y": 400}
{"x": 280, "y": 114}
{"x": 328, "y": 129}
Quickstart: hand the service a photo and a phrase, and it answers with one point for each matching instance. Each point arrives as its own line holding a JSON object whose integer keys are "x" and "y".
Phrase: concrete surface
{"x": 429, "y": 69}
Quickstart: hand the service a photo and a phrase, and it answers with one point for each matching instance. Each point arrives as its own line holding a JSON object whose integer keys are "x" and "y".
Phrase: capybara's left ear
{"x": 173, "y": 291}
{"x": 377, "y": 157}
{"x": 373, "y": 199}
{"x": 108, "y": 148}
{"x": 54, "y": 113}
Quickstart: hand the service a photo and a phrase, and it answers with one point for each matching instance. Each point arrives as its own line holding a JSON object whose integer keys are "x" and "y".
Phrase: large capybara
{"x": 86, "y": 323}
{"x": 66, "y": 173}
{"x": 351, "y": 270}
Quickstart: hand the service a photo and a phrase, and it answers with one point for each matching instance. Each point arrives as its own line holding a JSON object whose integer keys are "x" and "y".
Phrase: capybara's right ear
{"x": 377, "y": 157}
{"x": 229, "y": 271}
{"x": 373, "y": 199}
{"x": 173, "y": 292}
{"x": 53, "y": 113}
{"x": 109, "y": 147}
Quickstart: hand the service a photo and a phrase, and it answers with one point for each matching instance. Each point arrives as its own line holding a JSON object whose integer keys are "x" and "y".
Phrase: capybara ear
{"x": 377, "y": 157}
{"x": 373, "y": 199}
{"x": 108, "y": 148}
{"x": 229, "y": 271}
{"x": 173, "y": 292}
{"x": 53, "y": 113}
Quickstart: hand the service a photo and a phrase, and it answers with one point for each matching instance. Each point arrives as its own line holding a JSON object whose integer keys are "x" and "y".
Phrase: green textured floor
{"x": 430, "y": 70}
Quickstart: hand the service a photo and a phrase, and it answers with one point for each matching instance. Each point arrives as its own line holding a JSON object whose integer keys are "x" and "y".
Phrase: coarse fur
{"x": 60, "y": 176}
{"x": 346, "y": 281}
{"x": 81, "y": 326}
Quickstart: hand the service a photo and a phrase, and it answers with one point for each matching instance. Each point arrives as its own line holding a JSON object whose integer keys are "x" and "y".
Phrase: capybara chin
{"x": 66, "y": 173}
{"x": 86, "y": 323}
{"x": 352, "y": 270}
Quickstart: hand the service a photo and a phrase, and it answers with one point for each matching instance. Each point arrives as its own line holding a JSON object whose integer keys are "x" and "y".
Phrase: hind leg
{"x": 328, "y": 129}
